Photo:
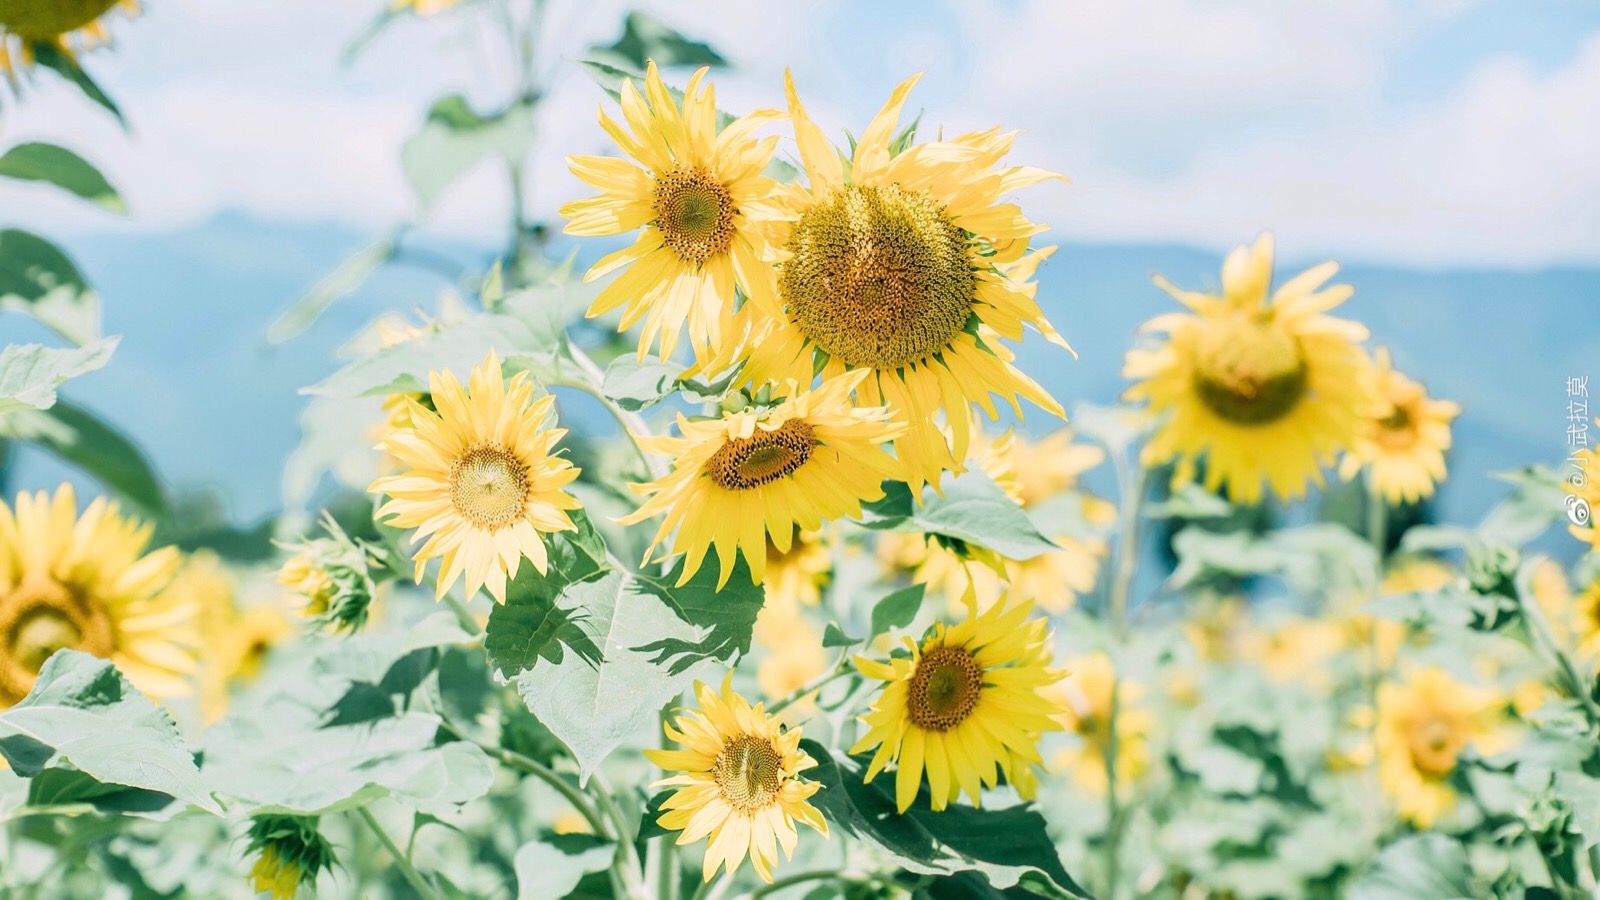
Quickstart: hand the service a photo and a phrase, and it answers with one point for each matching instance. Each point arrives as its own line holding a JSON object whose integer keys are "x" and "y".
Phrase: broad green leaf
{"x": 454, "y": 139}
{"x": 1536, "y": 503}
{"x": 553, "y": 865}
{"x": 62, "y": 63}
{"x": 636, "y": 385}
{"x": 40, "y": 280}
{"x": 972, "y": 509}
{"x": 53, "y": 164}
{"x": 404, "y": 367}
{"x": 30, "y": 373}
{"x": 77, "y": 437}
{"x": 83, "y": 713}
{"x": 533, "y": 624}
{"x": 1424, "y": 865}
{"x": 645, "y": 38}
{"x": 593, "y": 709}
{"x": 336, "y": 285}
{"x": 897, "y": 610}
{"x": 1009, "y": 847}
{"x": 723, "y": 617}
{"x": 834, "y": 636}
{"x": 74, "y": 788}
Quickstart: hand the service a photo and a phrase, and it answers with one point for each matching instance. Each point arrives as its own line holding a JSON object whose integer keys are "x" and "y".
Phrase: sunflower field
{"x": 718, "y": 540}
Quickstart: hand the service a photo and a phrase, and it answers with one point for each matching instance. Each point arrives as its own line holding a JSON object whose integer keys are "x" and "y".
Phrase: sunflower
{"x": 967, "y": 701}
{"x": 797, "y": 575}
{"x": 424, "y": 8}
{"x": 904, "y": 262}
{"x": 481, "y": 484}
{"x": 233, "y": 643}
{"x": 757, "y": 475}
{"x": 740, "y": 783}
{"x": 1265, "y": 390}
{"x": 1086, "y": 701}
{"x": 87, "y": 583}
{"x": 1404, "y": 444}
{"x": 793, "y": 655}
{"x": 702, "y": 203}
{"x": 67, "y": 25}
{"x": 1583, "y": 484}
{"x": 1424, "y": 725}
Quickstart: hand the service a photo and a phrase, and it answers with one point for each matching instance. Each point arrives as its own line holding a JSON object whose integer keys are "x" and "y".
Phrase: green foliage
{"x": 30, "y": 373}
{"x": 62, "y": 63}
{"x": 645, "y": 38}
{"x": 40, "y": 280}
{"x": 971, "y": 509}
{"x": 553, "y": 866}
{"x": 52, "y": 164}
{"x": 336, "y": 285}
{"x": 454, "y": 139}
{"x": 78, "y": 437}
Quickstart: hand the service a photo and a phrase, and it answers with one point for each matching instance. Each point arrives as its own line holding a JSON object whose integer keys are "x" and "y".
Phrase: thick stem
{"x": 1132, "y": 476}
{"x": 412, "y": 876}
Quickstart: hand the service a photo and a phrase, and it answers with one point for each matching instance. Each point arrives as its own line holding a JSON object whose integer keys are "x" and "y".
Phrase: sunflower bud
{"x": 334, "y": 576}
{"x": 291, "y": 852}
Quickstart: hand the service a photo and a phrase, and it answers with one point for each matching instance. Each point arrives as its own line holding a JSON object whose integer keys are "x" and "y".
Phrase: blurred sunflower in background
{"x": 1085, "y": 698}
{"x": 89, "y": 583}
{"x": 966, "y": 706}
{"x": 703, "y": 207}
{"x": 739, "y": 784}
{"x": 796, "y": 575}
{"x": 481, "y": 484}
{"x": 1425, "y": 722}
{"x": 1260, "y": 384}
{"x": 1403, "y": 446}
{"x": 424, "y": 7}
{"x": 755, "y": 476}
{"x": 903, "y": 261}
{"x": 66, "y": 25}
{"x": 1583, "y": 484}
{"x": 234, "y": 638}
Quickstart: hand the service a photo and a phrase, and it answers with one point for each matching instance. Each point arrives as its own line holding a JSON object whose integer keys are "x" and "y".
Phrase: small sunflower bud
{"x": 334, "y": 576}
{"x": 291, "y": 852}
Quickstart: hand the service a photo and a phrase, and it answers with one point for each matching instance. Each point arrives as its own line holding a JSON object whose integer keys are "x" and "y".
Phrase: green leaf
{"x": 1536, "y": 503}
{"x": 973, "y": 509}
{"x": 83, "y": 713}
{"x": 62, "y": 63}
{"x": 724, "y": 617}
{"x": 1009, "y": 847}
{"x": 532, "y": 624}
{"x": 1425, "y": 865}
{"x": 834, "y": 636}
{"x": 77, "y": 437}
{"x": 30, "y": 373}
{"x": 348, "y": 276}
{"x": 897, "y": 610}
{"x": 645, "y": 38}
{"x": 649, "y": 824}
{"x": 553, "y": 866}
{"x": 40, "y": 280}
{"x": 71, "y": 787}
{"x": 636, "y": 385}
{"x": 593, "y": 709}
{"x": 53, "y": 164}
{"x": 454, "y": 139}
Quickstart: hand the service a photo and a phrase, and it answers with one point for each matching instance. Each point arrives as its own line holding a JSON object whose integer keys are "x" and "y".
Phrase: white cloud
{"x": 1200, "y": 121}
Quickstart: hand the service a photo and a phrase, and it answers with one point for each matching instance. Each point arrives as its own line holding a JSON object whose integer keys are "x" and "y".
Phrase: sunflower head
{"x": 966, "y": 705}
{"x": 905, "y": 261}
{"x": 58, "y": 23}
{"x": 738, "y": 782}
{"x": 1085, "y": 697}
{"x": 759, "y": 476}
{"x": 88, "y": 583}
{"x": 1405, "y": 437}
{"x": 1424, "y": 725}
{"x": 1259, "y": 384}
{"x": 481, "y": 485}
{"x": 697, "y": 196}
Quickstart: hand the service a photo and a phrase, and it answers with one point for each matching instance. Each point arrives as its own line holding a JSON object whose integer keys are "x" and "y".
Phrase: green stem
{"x": 664, "y": 849}
{"x": 577, "y": 798}
{"x": 633, "y": 424}
{"x": 400, "y": 859}
{"x": 1545, "y": 640}
{"x": 802, "y": 878}
{"x": 1133, "y": 477}
{"x": 840, "y": 669}
{"x": 627, "y": 861}
{"x": 463, "y": 615}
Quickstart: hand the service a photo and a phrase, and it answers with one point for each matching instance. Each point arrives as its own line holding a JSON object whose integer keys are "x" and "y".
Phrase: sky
{"x": 1421, "y": 132}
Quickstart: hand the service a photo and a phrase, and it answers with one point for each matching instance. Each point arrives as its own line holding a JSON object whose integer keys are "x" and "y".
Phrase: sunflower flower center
{"x": 944, "y": 688}
{"x": 879, "y": 276}
{"x": 762, "y": 458}
{"x": 489, "y": 486}
{"x": 38, "y": 21}
{"x": 748, "y": 772}
{"x": 39, "y": 617}
{"x": 1396, "y": 431}
{"x": 694, "y": 213}
{"x": 1249, "y": 372}
{"x": 1435, "y": 744}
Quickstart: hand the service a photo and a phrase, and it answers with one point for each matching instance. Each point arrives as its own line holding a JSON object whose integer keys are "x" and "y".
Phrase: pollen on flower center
{"x": 748, "y": 772}
{"x": 879, "y": 276}
{"x": 694, "y": 213}
{"x": 41, "y": 21}
{"x": 37, "y": 618}
{"x": 489, "y": 486}
{"x": 1249, "y": 372}
{"x": 944, "y": 688}
{"x": 763, "y": 457}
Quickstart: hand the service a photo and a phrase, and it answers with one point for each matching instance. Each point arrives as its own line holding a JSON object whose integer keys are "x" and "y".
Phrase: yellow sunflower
{"x": 797, "y": 575}
{"x": 1086, "y": 700}
{"x": 757, "y": 475}
{"x": 908, "y": 264}
{"x": 87, "y": 583}
{"x": 480, "y": 483}
{"x": 740, "y": 783}
{"x": 1404, "y": 445}
{"x": 233, "y": 642}
{"x": 1266, "y": 390}
{"x": 1583, "y": 484}
{"x": 702, "y": 203}
{"x": 967, "y": 702}
{"x": 1424, "y": 724}
{"x": 793, "y": 655}
{"x": 67, "y": 25}
{"x": 424, "y": 8}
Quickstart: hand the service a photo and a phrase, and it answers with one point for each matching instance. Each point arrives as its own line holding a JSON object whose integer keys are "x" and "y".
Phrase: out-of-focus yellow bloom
{"x": 1583, "y": 484}
{"x": 794, "y": 655}
{"x": 796, "y": 576}
{"x": 1086, "y": 696}
{"x": 1405, "y": 440}
{"x": 1298, "y": 649}
{"x": 1413, "y": 574}
{"x": 1424, "y": 724}
{"x": 1266, "y": 390}
{"x": 425, "y": 8}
